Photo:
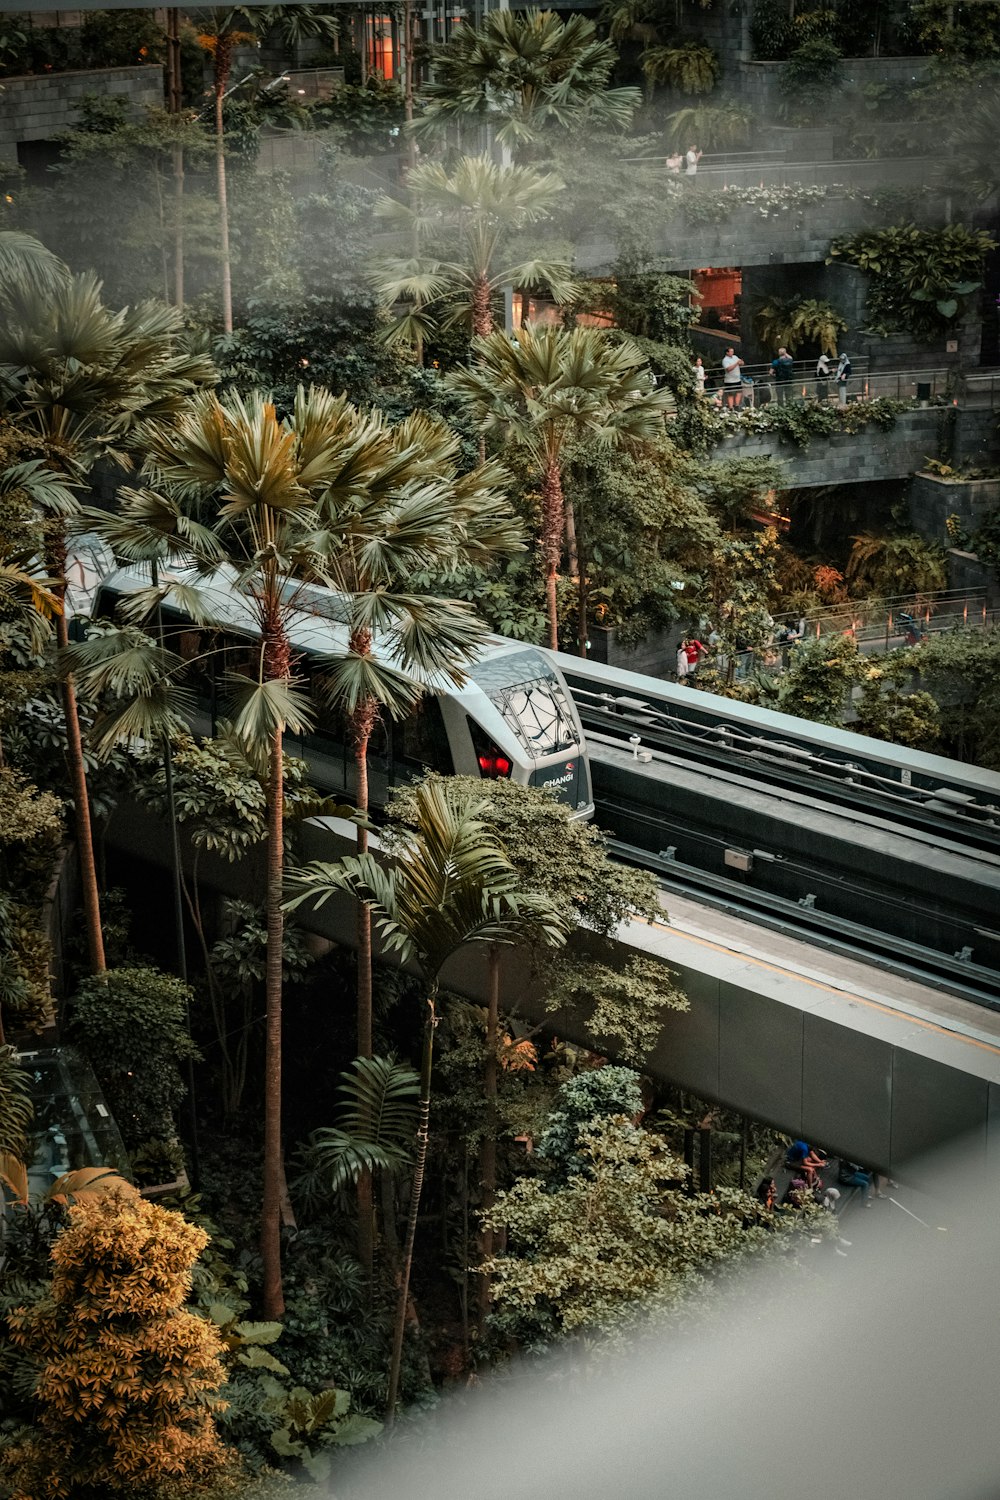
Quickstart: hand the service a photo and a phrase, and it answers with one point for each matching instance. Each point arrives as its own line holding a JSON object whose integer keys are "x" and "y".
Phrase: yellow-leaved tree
{"x": 127, "y": 1378}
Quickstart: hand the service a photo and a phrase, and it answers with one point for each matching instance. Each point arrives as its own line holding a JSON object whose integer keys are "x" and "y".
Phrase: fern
{"x": 376, "y": 1124}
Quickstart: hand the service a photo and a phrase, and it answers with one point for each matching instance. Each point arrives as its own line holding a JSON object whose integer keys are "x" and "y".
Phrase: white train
{"x": 513, "y": 716}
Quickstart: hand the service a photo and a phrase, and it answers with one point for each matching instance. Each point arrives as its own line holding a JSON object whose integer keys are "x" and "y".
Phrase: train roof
{"x": 318, "y": 623}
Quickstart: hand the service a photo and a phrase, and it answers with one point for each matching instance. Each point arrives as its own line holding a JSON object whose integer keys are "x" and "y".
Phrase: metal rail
{"x": 957, "y": 977}
{"x": 943, "y": 810}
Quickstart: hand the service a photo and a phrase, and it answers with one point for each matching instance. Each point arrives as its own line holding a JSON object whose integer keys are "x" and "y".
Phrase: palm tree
{"x": 26, "y": 265}
{"x": 220, "y": 31}
{"x": 329, "y": 493}
{"x": 522, "y": 71}
{"x": 545, "y": 386}
{"x": 398, "y": 506}
{"x": 84, "y": 379}
{"x": 449, "y": 884}
{"x": 969, "y": 163}
{"x": 473, "y": 211}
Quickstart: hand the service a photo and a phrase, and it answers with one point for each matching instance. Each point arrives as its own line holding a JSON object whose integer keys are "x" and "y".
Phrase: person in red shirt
{"x": 695, "y": 651}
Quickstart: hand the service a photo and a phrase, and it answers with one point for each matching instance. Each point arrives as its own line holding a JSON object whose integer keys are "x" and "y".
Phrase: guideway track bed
{"x": 799, "y": 861}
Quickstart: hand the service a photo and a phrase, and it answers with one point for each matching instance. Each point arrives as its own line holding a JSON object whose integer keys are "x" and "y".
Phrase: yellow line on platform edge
{"x": 830, "y": 989}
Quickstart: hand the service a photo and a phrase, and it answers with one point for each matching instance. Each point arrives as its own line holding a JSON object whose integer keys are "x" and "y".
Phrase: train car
{"x": 513, "y": 716}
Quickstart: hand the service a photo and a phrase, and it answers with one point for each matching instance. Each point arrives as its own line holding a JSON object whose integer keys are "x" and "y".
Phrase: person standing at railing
{"x": 842, "y": 377}
{"x": 783, "y": 367}
{"x": 674, "y": 162}
{"x": 823, "y": 373}
{"x": 691, "y": 161}
{"x": 698, "y": 371}
{"x": 732, "y": 380}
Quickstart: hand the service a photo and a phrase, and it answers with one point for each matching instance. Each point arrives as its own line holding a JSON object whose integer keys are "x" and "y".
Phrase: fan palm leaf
{"x": 27, "y": 266}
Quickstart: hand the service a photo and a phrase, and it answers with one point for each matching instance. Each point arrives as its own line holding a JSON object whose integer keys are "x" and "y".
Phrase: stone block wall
{"x": 859, "y": 458}
{"x": 758, "y": 82}
{"x": 38, "y": 107}
{"x": 933, "y": 499}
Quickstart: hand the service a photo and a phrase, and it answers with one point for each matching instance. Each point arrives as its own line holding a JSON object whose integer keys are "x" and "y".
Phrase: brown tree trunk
{"x": 419, "y": 1168}
{"x": 488, "y": 1145}
{"x": 270, "y": 1231}
{"x": 78, "y": 778}
{"x": 220, "y": 172}
{"x": 482, "y": 309}
{"x": 552, "y": 534}
{"x": 408, "y": 32}
{"x": 364, "y": 722}
{"x": 174, "y": 108}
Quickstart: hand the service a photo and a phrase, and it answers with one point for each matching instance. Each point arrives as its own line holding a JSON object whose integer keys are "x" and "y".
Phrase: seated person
{"x": 853, "y": 1175}
{"x": 808, "y": 1160}
{"x": 767, "y": 1192}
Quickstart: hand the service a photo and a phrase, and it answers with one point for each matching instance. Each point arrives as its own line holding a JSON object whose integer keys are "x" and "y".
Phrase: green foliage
{"x": 919, "y": 276}
{"x": 375, "y": 1130}
{"x": 612, "y": 1245}
{"x": 962, "y": 670}
{"x": 792, "y": 321}
{"x": 888, "y": 565}
{"x": 771, "y": 30}
{"x": 648, "y": 526}
{"x": 820, "y": 675}
{"x": 364, "y": 119}
{"x": 690, "y": 67}
{"x": 808, "y": 79}
{"x": 715, "y": 127}
{"x": 621, "y": 1009}
{"x": 121, "y": 1272}
{"x": 524, "y": 74}
{"x": 16, "y": 1109}
{"x": 889, "y": 708}
{"x": 132, "y": 1024}
{"x": 602, "y": 1093}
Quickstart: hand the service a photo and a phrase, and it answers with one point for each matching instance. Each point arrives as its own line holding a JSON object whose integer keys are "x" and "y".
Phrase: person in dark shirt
{"x": 783, "y": 368}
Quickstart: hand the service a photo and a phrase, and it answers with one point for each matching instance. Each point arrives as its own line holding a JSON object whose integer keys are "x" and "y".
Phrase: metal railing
{"x": 856, "y": 173}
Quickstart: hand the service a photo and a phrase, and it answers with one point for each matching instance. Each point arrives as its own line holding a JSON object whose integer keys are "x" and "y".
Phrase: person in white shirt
{"x": 698, "y": 370}
{"x": 691, "y": 160}
{"x": 732, "y": 380}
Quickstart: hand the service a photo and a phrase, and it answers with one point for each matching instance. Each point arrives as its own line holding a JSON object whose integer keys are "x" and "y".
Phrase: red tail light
{"x": 495, "y": 765}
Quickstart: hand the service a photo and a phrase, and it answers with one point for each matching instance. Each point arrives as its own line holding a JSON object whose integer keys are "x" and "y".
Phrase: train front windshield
{"x": 534, "y": 704}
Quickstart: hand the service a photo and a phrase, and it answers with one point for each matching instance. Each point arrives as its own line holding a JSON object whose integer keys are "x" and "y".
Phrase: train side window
{"x": 420, "y": 742}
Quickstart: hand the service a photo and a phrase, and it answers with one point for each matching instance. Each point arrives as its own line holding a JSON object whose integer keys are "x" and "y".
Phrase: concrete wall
{"x": 862, "y": 457}
{"x": 816, "y": 1059}
{"x": 38, "y": 107}
{"x": 758, "y": 82}
{"x": 933, "y": 500}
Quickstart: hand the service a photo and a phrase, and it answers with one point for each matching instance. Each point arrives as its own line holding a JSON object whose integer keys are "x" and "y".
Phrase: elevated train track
{"x": 864, "y": 847}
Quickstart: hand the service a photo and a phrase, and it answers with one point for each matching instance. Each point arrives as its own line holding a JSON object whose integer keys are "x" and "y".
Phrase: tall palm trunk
{"x": 482, "y": 311}
{"x": 363, "y": 723}
{"x": 177, "y": 152}
{"x": 77, "y": 770}
{"x": 270, "y": 1233}
{"x": 419, "y": 1168}
{"x": 552, "y": 533}
{"x": 222, "y": 56}
{"x": 408, "y": 81}
{"x": 488, "y": 1145}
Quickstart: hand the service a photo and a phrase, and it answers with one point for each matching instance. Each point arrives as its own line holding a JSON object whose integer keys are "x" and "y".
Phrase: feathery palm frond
{"x": 375, "y": 1123}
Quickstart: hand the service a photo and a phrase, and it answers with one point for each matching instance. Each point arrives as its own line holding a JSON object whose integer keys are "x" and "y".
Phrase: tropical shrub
{"x": 918, "y": 276}
{"x": 596, "y": 1095}
{"x": 127, "y": 1380}
{"x": 691, "y": 67}
{"x": 887, "y": 565}
{"x": 793, "y": 321}
{"x": 132, "y": 1024}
